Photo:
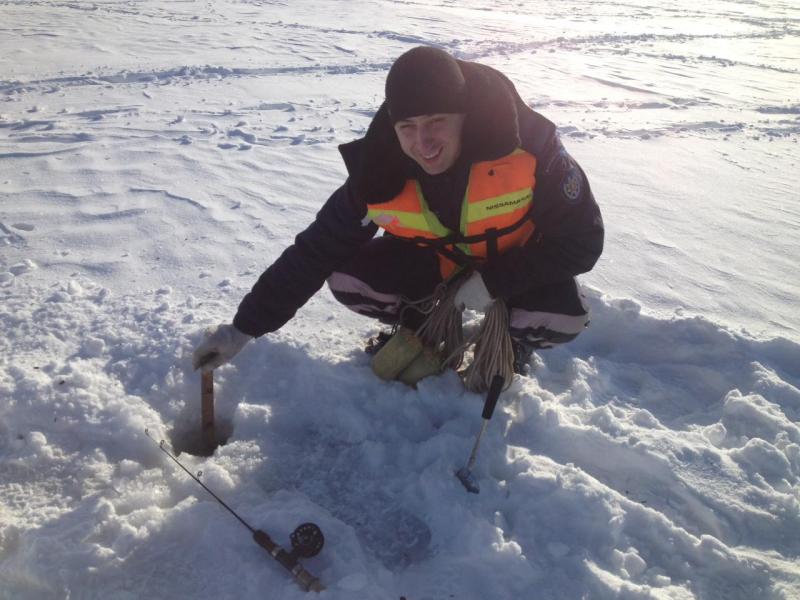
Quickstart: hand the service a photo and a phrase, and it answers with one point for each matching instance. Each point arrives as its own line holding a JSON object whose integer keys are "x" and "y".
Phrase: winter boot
{"x": 375, "y": 344}
{"x": 522, "y": 357}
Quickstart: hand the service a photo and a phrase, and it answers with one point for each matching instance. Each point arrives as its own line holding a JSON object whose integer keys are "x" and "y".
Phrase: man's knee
{"x": 544, "y": 330}
{"x": 359, "y": 296}
{"x": 401, "y": 270}
{"x": 558, "y": 317}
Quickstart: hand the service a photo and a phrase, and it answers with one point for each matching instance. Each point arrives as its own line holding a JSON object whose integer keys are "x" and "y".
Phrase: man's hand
{"x": 473, "y": 294}
{"x": 220, "y": 346}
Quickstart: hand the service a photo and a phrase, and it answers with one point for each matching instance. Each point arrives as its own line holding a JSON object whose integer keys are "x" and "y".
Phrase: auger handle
{"x": 491, "y": 398}
{"x": 207, "y": 427}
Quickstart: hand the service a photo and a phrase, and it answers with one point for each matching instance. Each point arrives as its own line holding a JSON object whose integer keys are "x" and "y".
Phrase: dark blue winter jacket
{"x": 569, "y": 229}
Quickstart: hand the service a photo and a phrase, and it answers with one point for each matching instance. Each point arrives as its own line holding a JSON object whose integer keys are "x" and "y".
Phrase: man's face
{"x": 433, "y": 141}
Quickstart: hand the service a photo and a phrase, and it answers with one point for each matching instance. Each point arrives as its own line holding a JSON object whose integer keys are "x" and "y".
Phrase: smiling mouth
{"x": 434, "y": 155}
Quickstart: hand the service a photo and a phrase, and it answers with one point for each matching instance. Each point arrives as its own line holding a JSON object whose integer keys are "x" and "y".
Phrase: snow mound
{"x": 614, "y": 468}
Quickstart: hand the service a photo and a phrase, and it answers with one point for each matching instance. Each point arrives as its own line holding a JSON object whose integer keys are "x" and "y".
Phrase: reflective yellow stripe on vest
{"x": 407, "y": 215}
{"x": 499, "y": 194}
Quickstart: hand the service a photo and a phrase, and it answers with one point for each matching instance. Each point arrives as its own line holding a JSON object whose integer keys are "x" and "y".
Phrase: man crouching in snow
{"x": 460, "y": 173}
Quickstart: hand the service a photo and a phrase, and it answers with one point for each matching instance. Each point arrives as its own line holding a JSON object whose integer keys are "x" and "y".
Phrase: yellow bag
{"x": 404, "y": 358}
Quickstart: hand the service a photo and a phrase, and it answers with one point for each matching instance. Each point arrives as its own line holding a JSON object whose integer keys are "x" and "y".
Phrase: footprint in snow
{"x": 227, "y": 146}
{"x": 26, "y": 266}
{"x": 247, "y": 137}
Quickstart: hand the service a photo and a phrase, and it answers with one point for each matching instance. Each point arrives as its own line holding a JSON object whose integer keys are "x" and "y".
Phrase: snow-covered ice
{"x": 156, "y": 156}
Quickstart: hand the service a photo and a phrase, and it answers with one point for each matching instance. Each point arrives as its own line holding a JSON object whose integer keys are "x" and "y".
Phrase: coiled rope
{"x": 493, "y": 353}
{"x": 442, "y": 330}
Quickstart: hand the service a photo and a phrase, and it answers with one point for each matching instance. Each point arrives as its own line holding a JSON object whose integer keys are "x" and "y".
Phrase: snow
{"x": 156, "y": 156}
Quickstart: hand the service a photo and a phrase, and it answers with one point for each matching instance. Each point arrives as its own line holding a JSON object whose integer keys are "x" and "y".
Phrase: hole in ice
{"x": 190, "y": 438}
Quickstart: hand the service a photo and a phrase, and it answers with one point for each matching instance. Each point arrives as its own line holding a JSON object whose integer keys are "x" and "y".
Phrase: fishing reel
{"x": 307, "y": 540}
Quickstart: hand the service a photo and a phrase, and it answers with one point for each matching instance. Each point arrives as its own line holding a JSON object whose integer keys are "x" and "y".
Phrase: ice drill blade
{"x": 468, "y": 480}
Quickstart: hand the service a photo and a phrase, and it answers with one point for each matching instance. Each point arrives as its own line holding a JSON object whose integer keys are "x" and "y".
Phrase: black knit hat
{"x": 425, "y": 81}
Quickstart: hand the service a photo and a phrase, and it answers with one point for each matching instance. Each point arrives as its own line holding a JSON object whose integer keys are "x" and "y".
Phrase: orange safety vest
{"x": 495, "y": 213}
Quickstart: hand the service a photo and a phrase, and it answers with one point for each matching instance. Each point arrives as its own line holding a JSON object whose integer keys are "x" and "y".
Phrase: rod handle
{"x": 491, "y": 398}
{"x": 305, "y": 579}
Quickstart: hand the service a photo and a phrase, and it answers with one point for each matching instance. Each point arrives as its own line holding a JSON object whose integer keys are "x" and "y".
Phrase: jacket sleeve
{"x": 335, "y": 236}
{"x": 568, "y": 238}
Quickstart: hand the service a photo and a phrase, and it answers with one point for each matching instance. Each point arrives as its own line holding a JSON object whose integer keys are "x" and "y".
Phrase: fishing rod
{"x": 307, "y": 539}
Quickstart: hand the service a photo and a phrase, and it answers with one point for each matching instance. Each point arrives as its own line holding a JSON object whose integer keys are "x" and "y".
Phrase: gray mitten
{"x": 221, "y": 345}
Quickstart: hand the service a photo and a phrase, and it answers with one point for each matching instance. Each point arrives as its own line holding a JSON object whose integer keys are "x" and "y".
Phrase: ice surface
{"x": 156, "y": 156}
